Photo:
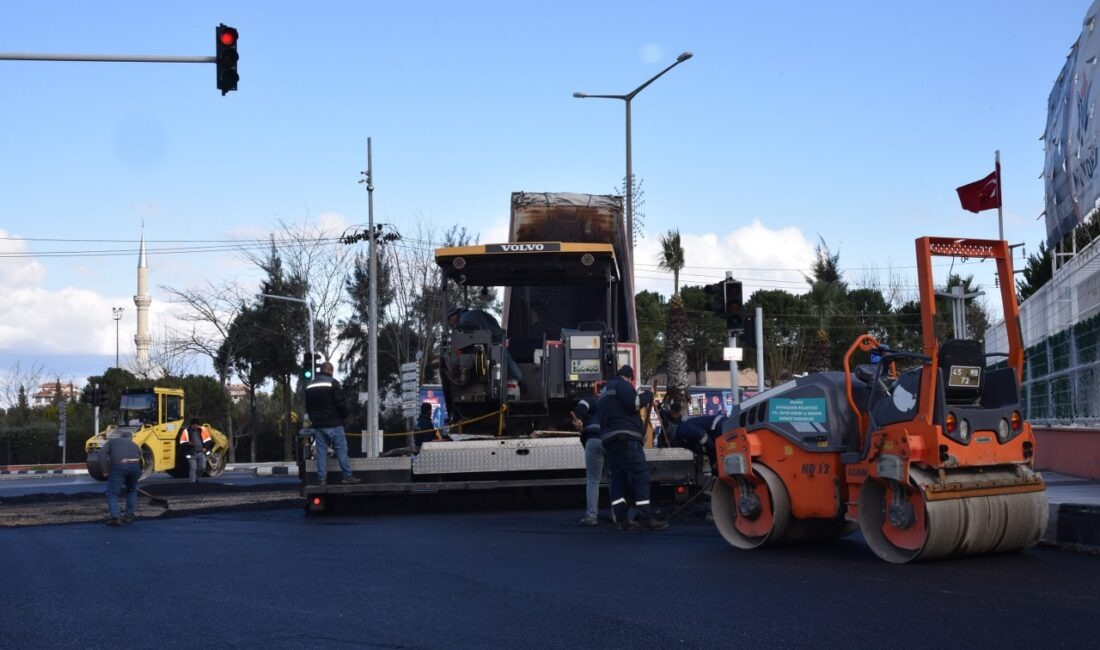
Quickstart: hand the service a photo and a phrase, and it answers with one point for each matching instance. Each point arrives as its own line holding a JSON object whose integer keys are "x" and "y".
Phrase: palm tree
{"x": 672, "y": 258}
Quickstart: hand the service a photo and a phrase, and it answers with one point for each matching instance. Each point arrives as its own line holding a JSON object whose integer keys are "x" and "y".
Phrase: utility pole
{"x": 372, "y": 325}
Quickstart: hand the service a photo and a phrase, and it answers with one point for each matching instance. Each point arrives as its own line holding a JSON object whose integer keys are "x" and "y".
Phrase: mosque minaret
{"x": 142, "y": 340}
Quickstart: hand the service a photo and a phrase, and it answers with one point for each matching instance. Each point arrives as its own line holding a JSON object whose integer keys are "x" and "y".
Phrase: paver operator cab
{"x": 568, "y": 319}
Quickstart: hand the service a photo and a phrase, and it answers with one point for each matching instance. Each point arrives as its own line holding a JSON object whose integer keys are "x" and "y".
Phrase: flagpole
{"x": 1000, "y": 195}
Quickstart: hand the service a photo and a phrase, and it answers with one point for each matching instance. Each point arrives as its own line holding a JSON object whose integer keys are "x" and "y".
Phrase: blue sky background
{"x": 850, "y": 121}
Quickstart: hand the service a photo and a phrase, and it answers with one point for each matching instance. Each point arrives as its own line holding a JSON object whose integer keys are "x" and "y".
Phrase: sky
{"x": 794, "y": 123}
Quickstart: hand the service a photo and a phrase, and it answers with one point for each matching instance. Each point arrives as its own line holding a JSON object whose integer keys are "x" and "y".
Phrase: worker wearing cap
{"x": 120, "y": 461}
{"x": 621, "y": 432}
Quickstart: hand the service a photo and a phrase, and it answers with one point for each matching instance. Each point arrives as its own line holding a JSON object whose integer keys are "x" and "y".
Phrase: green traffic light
{"x": 308, "y": 374}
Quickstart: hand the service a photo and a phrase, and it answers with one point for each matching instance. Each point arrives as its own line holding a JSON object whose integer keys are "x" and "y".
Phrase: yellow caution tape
{"x": 453, "y": 425}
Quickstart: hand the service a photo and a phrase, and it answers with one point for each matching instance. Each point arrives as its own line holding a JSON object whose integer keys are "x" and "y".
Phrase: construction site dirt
{"x": 153, "y": 502}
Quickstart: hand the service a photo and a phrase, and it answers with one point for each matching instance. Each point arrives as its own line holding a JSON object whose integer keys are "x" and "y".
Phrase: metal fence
{"x": 1061, "y": 332}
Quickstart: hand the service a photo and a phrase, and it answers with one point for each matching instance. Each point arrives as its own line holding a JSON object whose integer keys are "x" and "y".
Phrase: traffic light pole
{"x": 225, "y": 58}
{"x": 759, "y": 324}
{"x": 734, "y": 372}
{"x": 107, "y": 58}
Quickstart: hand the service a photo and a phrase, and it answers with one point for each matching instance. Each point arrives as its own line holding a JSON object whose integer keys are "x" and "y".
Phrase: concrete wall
{"x": 1068, "y": 450}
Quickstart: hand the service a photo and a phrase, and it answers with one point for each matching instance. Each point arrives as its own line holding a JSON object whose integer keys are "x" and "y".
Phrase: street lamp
{"x": 309, "y": 315}
{"x": 629, "y": 172}
{"x": 116, "y": 312}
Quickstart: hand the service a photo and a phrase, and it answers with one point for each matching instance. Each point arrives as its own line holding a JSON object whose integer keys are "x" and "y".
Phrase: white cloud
{"x": 761, "y": 257}
{"x": 70, "y": 320}
{"x": 17, "y": 272}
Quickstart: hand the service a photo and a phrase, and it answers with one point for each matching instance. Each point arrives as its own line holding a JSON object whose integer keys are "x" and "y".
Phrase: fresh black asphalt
{"x": 279, "y": 579}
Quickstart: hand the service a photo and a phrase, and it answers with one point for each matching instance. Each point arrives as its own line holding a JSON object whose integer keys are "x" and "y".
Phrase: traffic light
{"x": 310, "y": 370}
{"x": 733, "y": 308}
{"x": 716, "y": 302}
{"x": 226, "y": 58}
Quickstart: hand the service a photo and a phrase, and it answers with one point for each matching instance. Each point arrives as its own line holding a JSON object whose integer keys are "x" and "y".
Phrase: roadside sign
{"x": 409, "y": 395}
{"x": 732, "y": 354}
{"x": 408, "y": 375}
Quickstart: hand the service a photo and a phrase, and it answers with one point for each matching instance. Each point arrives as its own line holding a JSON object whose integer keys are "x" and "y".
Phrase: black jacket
{"x": 424, "y": 422}
{"x": 325, "y": 402}
{"x": 617, "y": 410}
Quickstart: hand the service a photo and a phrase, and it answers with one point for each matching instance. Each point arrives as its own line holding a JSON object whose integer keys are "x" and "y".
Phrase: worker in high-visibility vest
{"x": 196, "y": 442}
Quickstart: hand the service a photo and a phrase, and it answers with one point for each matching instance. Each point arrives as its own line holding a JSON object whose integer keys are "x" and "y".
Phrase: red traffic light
{"x": 228, "y": 37}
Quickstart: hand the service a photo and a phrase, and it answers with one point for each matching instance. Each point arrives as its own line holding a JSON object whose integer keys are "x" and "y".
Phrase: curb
{"x": 37, "y": 472}
{"x": 277, "y": 470}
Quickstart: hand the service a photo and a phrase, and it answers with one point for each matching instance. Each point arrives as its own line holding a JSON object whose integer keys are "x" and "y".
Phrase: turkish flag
{"x": 982, "y": 195}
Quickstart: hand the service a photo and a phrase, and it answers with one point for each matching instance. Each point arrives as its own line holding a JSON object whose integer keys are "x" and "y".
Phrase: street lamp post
{"x": 116, "y": 312}
{"x": 309, "y": 315}
{"x": 629, "y": 172}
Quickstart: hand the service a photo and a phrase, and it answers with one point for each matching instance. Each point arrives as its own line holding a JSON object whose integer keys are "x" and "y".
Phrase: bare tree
{"x": 416, "y": 289}
{"x": 204, "y": 328}
{"x": 18, "y": 376}
{"x": 320, "y": 257}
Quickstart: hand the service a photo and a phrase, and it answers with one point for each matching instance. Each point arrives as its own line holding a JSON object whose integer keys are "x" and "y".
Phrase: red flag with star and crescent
{"x": 982, "y": 195}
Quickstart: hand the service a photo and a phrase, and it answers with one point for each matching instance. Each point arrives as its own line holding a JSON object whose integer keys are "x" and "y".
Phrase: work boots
{"x": 351, "y": 480}
{"x": 649, "y": 524}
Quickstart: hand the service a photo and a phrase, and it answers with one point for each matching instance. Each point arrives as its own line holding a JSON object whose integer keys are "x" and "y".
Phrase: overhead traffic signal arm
{"x": 226, "y": 57}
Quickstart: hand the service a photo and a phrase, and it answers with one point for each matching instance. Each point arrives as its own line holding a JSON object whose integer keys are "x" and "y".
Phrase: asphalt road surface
{"x": 279, "y": 579}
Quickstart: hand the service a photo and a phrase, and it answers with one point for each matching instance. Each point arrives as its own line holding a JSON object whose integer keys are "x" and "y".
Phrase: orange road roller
{"x": 926, "y": 454}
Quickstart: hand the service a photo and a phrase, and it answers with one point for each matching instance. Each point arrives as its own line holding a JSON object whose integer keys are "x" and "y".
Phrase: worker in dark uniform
{"x": 698, "y": 434}
{"x": 120, "y": 461}
{"x": 327, "y": 411}
{"x": 671, "y": 416}
{"x": 425, "y": 427}
{"x": 621, "y": 432}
